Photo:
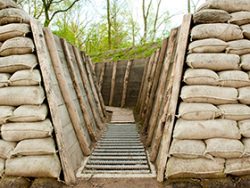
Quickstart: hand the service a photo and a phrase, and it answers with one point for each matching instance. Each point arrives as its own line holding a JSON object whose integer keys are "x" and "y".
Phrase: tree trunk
{"x": 109, "y": 24}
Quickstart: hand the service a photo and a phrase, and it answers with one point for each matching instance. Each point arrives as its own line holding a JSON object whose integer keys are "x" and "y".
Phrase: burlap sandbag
{"x": 234, "y": 78}
{"x": 244, "y": 128}
{"x": 209, "y": 94}
{"x": 2, "y": 166}
{"x": 211, "y": 16}
{"x": 194, "y": 168}
{"x": 246, "y": 143}
{"x": 244, "y": 95}
{"x": 198, "y": 130}
{"x": 235, "y": 111}
{"x": 187, "y": 148}
{"x": 216, "y": 62}
{"x": 13, "y": 30}
{"x": 17, "y": 46}
{"x": 5, "y": 113}
{"x": 246, "y": 30}
{"x": 6, "y": 148}
{"x": 7, "y": 4}
{"x": 13, "y": 15}
{"x": 11, "y": 64}
{"x": 224, "y": 148}
{"x": 238, "y": 167}
{"x": 245, "y": 62}
{"x": 4, "y": 79}
{"x": 223, "y": 31}
{"x": 198, "y": 111}
{"x": 26, "y": 78}
{"x": 239, "y": 47}
{"x": 29, "y": 113}
{"x": 211, "y": 45}
{"x": 34, "y": 166}
{"x": 240, "y": 18}
{"x": 42, "y": 146}
{"x": 201, "y": 77}
{"x": 227, "y": 5}
{"x": 21, "y": 131}
{"x": 16, "y": 96}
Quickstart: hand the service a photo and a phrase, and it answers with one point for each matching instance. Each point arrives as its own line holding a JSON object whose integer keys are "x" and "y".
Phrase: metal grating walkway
{"x": 119, "y": 153}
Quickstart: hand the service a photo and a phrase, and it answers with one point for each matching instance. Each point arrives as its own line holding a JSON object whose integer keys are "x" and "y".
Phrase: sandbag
{"x": 239, "y": 47}
{"x": 16, "y": 96}
{"x": 245, "y": 62}
{"x": 34, "y": 166}
{"x": 198, "y": 111}
{"x": 246, "y": 30}
{"x": 211, "y": 16}
{"x": 238, "y": 167}
{"x": 235, "y": 111}
{"x": 6, "y": 148}
{"x": 29, "y": 113}
{"x": 2, "y": 165}
{"x": 216, "y": 62}
{"x": 224, "y": 148}
{"x": 200, "y": 77}
{"x": 244, "y": 128}
{"x": 187, "y": 148}
{"x": 198, "y": 130}
{"x": 5, "y": 113}
{"x": 223, "y": 31}
{"x": 17, "y": 46}
{"x": 244, "y": 95}
{"x": 21, "y": 131}
{"x": 246, "y": 143}
{"x": 13, "y": 30}
{"x": 42, "y": 146}
{"x": 13, "y": 15}
{"x": 211, "y": 45}
{"x": 194, "y": 168}
{"x": 228, "y": 5}
{"x": 4, "y": 79}
{"x": 7, "y": 4}
{"x": 234, "y": 78}
{"x": 26, "y": 78}
{"x": 11, "y": 64}
{"x": 209, "y": 94}
{"x": 240, "y": 18}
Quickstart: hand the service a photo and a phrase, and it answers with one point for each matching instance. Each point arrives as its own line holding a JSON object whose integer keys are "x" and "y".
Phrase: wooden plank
{"x": 161, "y": 87}
{"x": 83, "y": 105}
{"x": 85, "y": 146}
{"x": 112, "y": 83}
{"x": 125, "y": 83}
{"x": 178, "y": 69}
{"x": 87, "y": 87}
{"x": 101, "y": 76}
{"x": 155, "y": 83}
{"x": 45, "y": 62}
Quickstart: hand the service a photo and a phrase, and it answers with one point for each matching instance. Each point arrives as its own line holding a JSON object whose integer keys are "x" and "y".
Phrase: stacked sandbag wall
{"x": 211, "y": 135}
{"x": 27, "y": 147}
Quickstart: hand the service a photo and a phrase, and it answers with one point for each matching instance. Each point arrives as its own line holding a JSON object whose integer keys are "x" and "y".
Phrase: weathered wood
{"x": 161, "y": 87}
{"x": 87, "y": 88}
{"x": 45, "y": 62}
{"x": 65, "y": 92}
{"x": 112, "y": 84}
{"x": 83, "y": 105}
{"x": 178, "y": 70}
{"x": 101, "y": 76}
{"x": 155, "y": 83}
{"x": 125, "y": 83}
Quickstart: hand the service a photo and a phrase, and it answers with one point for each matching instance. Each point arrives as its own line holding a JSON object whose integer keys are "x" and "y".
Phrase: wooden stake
{"x": 102, "y": 76}
{"x": 83, "y": 105}
{"x": 178, "y": 69}
{"x": 125, "y": 83}
{"x": 112, "y": 91}
{"x": 44, "y": 62}
{"x": 161, "y": 87}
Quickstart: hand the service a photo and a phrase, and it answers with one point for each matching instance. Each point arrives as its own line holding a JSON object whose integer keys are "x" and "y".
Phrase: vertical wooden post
{"x": 178, "y": 69}
{"x": 102, "y": 76}
{"x": 112, "y": 90}
{"x": 125, "y": 83}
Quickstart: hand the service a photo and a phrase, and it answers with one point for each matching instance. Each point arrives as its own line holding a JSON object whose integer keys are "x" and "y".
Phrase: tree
{"x": 145, "y": 13}
{"x": 109, "y": 24}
